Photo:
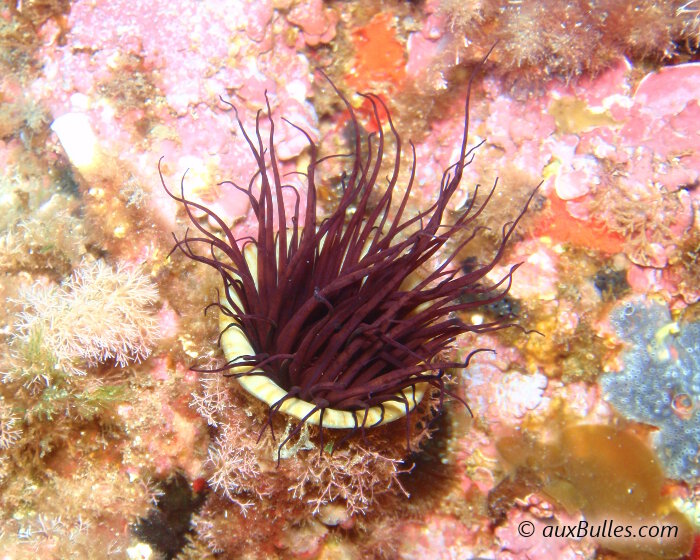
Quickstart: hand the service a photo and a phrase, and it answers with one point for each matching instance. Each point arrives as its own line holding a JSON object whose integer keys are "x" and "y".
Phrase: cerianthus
{"x": 341, "y": 323}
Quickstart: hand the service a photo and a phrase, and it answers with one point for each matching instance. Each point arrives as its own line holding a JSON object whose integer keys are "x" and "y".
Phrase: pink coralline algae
{"x": 502, "y": 396}
{"x": 513, "y": 546}
{"x": 660, "y": 134}
{"x": 203, "y": 33}
{"x": 188, "y": 56}
{"x": 316, "y": 22}
{"x": 588, "y": 127}
{"x": 538, "y": 275}
{"x": 440, "y": 536}
{"x": 650, "y": 137}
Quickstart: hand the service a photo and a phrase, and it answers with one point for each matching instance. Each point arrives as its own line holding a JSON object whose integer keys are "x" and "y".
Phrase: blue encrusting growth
{"x": 660, "y": 384}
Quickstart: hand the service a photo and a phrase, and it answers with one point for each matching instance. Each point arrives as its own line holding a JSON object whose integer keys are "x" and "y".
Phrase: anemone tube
{"x": 338, "y": 323}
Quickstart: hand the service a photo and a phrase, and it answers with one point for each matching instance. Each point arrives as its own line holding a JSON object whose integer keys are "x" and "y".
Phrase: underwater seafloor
{"x": 586, "y": 416}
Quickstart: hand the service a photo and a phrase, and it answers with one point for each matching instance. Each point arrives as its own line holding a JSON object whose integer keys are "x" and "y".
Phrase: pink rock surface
{"x": 191, "y": 54}
{"x": 439, "y": 536}
{"x": 537, "y": 276}
{"x": 317, "y": 22}
{"x": 497, "y": 389}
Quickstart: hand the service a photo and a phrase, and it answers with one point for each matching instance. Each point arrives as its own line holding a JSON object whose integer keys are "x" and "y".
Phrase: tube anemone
{"x": 342, "y": 322}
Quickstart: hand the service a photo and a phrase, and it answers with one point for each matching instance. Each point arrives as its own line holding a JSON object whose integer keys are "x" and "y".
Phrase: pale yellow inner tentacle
{"x": 235, "y": 344}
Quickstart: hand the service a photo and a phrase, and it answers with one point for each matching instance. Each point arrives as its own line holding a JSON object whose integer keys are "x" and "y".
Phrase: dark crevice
{"x": 166, "y": 526}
